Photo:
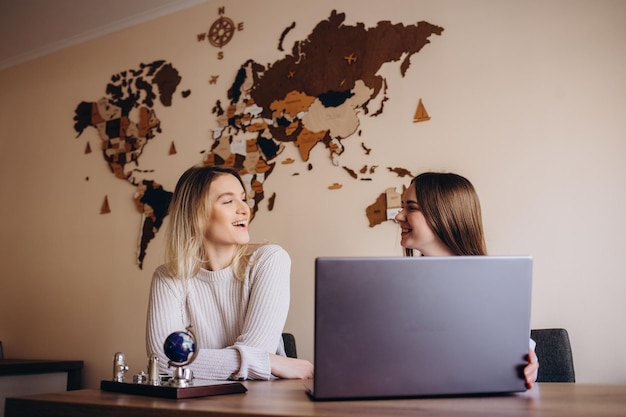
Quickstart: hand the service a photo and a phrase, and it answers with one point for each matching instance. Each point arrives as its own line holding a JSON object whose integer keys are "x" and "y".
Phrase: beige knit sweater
{"x": 236, "y": 323}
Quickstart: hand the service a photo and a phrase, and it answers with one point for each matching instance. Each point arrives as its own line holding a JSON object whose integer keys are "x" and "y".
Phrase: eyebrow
{"x": 230, "y": 194}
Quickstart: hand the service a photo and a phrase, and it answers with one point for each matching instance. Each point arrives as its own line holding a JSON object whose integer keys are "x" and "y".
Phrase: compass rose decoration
{"x": 221, "y": 32}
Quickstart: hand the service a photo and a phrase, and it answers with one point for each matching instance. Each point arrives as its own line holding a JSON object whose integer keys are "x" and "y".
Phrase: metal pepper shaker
{"x": 153, "y": 370}
{"x": 119, "y": 367}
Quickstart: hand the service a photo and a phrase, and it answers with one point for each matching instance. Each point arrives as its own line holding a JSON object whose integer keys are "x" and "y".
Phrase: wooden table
{"x": 288, "y": 398}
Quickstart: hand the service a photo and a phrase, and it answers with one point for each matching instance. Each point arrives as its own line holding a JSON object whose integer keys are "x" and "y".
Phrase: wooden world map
{"x": 311, "y": 97}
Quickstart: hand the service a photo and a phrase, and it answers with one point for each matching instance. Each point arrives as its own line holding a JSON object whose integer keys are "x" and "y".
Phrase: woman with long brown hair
{"x": 441, "y": 216}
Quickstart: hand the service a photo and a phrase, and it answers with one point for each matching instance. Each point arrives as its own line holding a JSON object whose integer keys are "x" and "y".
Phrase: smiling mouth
{"x": 241, "y": 223}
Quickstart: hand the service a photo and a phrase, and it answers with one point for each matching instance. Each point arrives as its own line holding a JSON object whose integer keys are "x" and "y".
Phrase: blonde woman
{"x": 235, "y": 295}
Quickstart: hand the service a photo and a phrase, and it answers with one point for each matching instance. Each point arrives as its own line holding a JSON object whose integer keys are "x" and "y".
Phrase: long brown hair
{"x": 451, "y": 208}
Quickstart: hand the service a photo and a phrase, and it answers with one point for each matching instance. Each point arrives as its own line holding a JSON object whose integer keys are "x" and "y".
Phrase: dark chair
{"x": 290, "y": 345}
{"x": 556, "y": 363}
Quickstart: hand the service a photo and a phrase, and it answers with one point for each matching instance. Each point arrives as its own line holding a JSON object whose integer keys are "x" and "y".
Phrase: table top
{"x": 288, "y": 398}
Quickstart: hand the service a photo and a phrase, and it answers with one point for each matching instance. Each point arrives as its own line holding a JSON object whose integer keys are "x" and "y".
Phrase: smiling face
{"x": 228, "y": 214}
{"x": 416, "y": 233}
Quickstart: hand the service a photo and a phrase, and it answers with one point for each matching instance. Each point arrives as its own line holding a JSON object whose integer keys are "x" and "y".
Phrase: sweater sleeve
{"x": 267, "y": 311}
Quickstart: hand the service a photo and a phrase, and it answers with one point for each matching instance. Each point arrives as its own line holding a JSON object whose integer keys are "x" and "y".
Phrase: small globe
{"x": 179, "y": 347}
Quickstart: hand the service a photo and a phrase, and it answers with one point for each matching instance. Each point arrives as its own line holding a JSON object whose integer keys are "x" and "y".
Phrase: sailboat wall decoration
{"x": 172, "y": 150}
{"x": 105, "y": 209}
{"x": 421, "y": 115}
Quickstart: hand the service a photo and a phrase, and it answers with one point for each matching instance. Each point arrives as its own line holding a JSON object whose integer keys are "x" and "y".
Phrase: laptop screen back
{"x": 423, "y": 326}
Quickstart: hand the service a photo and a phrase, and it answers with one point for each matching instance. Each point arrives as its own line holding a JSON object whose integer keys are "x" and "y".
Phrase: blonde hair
{"x": 451, "y": 208}
{"x": 188, "y": 212}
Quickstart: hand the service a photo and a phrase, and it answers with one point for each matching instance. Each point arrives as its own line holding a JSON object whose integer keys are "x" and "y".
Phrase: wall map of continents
{"x": 311, "y": 97}
{"x": 126, "y": 122}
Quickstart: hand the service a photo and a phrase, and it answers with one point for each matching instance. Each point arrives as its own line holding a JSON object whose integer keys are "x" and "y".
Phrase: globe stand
{"x": 181, "y": 377}
{"x": 180, "y": 348}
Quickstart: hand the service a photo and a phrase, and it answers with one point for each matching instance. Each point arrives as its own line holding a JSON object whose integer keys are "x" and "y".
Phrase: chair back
{"x": 556, "y": 363}
{"x": 290, "y": 345}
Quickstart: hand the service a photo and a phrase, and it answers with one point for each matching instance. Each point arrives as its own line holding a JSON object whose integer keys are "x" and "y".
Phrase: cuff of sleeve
{"x": 254, "y": 364}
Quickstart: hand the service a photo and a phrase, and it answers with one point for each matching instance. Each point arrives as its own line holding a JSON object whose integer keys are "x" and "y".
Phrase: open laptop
{"x": 421, "y": 326}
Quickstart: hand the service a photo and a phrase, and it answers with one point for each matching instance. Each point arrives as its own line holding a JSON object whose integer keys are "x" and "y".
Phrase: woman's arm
{"x": 172, "y": 308}
{"x": 269, "y": 306}
{"x": 267, "y": 309}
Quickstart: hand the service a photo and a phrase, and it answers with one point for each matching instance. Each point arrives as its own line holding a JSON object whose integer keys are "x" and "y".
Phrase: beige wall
{"x": 527, "y": 100}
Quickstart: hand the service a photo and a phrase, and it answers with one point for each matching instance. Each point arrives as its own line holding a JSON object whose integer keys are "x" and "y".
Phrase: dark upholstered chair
{"x": 290, "y": 345}
{"x": 556, "y": 363}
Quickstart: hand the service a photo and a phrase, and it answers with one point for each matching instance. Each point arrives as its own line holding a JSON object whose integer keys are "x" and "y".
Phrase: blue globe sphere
{"x": 179, "y": 346}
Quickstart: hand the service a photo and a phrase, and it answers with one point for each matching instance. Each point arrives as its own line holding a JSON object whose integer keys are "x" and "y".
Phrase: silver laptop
{"x": 422, "y": 326}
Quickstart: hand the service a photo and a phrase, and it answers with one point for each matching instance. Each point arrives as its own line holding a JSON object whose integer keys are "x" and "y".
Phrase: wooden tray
{"x": 198, "y": 389}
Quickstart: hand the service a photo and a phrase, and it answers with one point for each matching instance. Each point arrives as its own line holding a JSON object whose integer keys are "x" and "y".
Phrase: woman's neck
{"x": 218, "y": 257}
{"x": 438, "y": 248}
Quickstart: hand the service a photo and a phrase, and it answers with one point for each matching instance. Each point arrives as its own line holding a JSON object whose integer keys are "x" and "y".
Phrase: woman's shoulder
{"x": 163, "y": 280}
{"x": 270, "y": 251}
{"x": 269, "y": 263}
{"x": 163, "y": 274}
{"x": 162, "y": 271}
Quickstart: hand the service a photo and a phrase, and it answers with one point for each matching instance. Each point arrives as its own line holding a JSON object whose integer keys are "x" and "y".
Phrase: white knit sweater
{"x": 236, "y": 323}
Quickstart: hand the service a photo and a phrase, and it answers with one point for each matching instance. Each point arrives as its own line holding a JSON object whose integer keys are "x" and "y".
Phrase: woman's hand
{"x": 530, "y": 370}
{"x": 290, "y": 368}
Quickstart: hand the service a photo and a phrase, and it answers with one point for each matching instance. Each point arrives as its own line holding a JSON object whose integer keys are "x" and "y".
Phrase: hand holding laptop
{"x": 530, "y": 371}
